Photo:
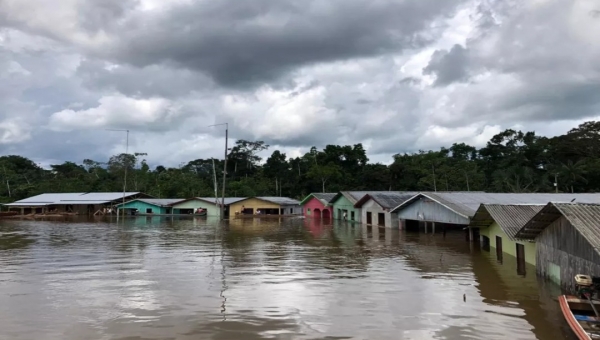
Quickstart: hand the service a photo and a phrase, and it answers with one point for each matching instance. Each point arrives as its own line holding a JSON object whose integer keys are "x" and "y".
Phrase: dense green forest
{"x": 512, "y": 161}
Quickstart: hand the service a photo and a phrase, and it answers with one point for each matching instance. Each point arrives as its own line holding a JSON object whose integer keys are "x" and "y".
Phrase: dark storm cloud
{"x": 97, "y": 15}
{"x": 448, "y": 66}
{"x": 245, "y": 42}
{"x": 149, "y": 81}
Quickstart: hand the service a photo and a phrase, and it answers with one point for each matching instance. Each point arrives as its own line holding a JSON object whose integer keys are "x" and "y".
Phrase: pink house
{"x": 315, "y": 205}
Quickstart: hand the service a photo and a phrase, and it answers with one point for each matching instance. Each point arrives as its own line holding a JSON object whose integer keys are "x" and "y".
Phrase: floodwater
{"x": 165, "y": 278}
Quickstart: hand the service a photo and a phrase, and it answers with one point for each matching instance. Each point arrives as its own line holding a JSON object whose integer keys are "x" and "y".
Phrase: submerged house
{"x": 375, "y": 208}
{"x": 498, "y": 226}
{"x": 212, "y": 207}
{"x": 149, "y": 206}
{"x": 567, "y": 240}
{"x": 343, "y": 204}
{"x": 433, "y": 211}
{"x": 76, "y": 202}
{"x": 265, "y": 206}
{"x": 317, "y": 205}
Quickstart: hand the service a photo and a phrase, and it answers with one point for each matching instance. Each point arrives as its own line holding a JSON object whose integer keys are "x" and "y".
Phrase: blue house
{"x": 149, "y": 206}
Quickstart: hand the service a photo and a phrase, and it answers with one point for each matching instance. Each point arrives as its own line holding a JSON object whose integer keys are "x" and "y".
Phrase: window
{"x": 485, "y": 243}
{"x": 308, "y": 211}
{"x": 149, "y": 211}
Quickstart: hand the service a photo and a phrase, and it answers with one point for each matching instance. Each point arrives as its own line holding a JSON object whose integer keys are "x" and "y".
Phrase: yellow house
{"x": 265, "y": 206}
{"x": 498, "y": 224}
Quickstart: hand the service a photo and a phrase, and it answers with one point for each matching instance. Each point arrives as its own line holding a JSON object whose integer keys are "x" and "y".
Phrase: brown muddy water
{"x": 165, "y": 278}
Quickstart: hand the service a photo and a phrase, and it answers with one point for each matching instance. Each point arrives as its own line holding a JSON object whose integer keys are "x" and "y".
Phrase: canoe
{"x": 580, "y": 316}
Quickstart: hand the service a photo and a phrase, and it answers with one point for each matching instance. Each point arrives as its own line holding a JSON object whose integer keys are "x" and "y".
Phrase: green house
{"x": 498, "y": 225}
{"x": 213, "y": 209}
{"x": 343, "y": 202}
{"x": 149, "y": 206}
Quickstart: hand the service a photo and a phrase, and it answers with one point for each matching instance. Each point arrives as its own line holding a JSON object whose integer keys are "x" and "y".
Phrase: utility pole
{"x": 126, "y": 165}
{"x": 556, "y": 183}
{"x": 434, "y": 183}
{"x": 224, "y": 173}
{"x": 467, "y": 176}
{"x": 224, "y": 169}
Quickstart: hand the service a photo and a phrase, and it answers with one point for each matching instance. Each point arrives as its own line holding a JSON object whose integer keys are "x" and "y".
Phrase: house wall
{"x": 374, "y": 208}
{"x": 294, "y": 209}
{"x": 251, "y": 203}
{"x": 343, "y": 203}
{"x": 431, "y": 211}
{"x": 563, "y": 253}
{"x": 211, "y": 209}
{"x": 508, "y": 246}
{"x": 81, "y": 209}
{"x": 142, "y": 206}
{"x": 309, "y": 207}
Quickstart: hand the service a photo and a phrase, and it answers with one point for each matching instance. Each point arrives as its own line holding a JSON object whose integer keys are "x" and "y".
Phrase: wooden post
{"x": 425, "y": 227}
{"x": 470, "y": 234}
{"x": 433, "y": 227}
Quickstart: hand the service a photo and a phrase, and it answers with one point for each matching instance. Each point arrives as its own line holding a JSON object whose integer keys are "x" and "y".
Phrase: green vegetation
{"x": 512, "y": 161}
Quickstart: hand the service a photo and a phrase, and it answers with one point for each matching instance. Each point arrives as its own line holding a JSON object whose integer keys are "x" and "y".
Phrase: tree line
{"x": 511, "y": 161}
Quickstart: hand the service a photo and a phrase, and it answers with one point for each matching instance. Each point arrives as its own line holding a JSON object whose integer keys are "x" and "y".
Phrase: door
{"x": 352, "y": 216}
{"x": 369, "y": 217}
{"x": 499, "y": 248}
{"x": 485, "y": 243}
{"x": 520, "y": 259}
{"x": 381, "y": 219}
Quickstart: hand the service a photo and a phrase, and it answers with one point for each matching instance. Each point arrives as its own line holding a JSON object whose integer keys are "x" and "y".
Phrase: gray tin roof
{"x": 353, "y": 196}
{"x": 387, "y": 199}
{"x": 510, "y": 218}
{"x": 583, "y": 217}
{"x": 467, "y": 203}
{"x": 279, "y": 200}
{"x": 228, "y": 200}
{"x": 324, "y": 197}
{"x": 72, "y": 198}
{"x": 161, "y": 202}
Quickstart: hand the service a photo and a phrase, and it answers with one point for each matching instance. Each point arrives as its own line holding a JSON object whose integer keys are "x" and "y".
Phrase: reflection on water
{"x": 189, "y": 278}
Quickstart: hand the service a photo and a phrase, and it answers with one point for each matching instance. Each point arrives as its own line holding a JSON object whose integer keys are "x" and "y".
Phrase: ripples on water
{"x": 163, "y": 278}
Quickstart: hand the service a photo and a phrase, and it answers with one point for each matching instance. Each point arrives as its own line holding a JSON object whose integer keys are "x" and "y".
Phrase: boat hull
{"x": 580, "y": 316}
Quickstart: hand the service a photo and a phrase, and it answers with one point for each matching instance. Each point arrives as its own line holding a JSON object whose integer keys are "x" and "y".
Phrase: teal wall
{"x": 343, "y": 203}
{"x": 211, "y": 209}
{"x": 142, "y": 206}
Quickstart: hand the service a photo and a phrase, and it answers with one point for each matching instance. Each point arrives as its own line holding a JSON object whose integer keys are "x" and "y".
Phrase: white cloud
{"x": 14, "y": 131}
{"x": 534, "y": 65}
{"x": 277, "y": 114}
{"x": 116, "y": 111}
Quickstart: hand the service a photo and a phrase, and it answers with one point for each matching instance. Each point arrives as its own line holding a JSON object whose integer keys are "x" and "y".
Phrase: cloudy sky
{"x": 395, "y": 75}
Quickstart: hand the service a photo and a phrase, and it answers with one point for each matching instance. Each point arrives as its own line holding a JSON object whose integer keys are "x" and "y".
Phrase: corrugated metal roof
{"x": 467, "y": 203}
{"x": 352, "y": 196}
{"x": 26, "y": 205}
{"x": 162, "y": 202}
{"x": 583, "y": 217}
{"x": 280, "y": 200}
{"x": 72, "y": 198}
{"x": 324, "y": 197}
{"x": 510, "y": 218}
{"x": 228, "y": 200}
{"x": 387, "y": 199}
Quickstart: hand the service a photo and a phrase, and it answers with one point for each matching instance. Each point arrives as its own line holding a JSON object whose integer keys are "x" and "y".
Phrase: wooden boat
{"x": 581, "y": 316}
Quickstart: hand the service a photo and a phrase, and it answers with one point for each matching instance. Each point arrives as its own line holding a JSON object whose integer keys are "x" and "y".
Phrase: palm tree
{"x": 573, "y": 173}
